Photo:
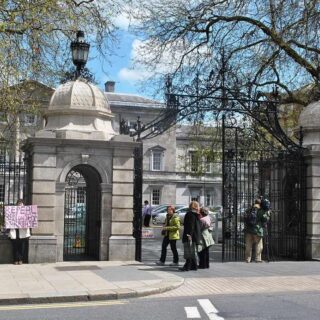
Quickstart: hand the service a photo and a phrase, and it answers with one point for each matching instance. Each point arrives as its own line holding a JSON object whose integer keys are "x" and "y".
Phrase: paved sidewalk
{"x": 81, "y": 281}
{"x": 106, "y": 280}
{"x": 254, "y": 278}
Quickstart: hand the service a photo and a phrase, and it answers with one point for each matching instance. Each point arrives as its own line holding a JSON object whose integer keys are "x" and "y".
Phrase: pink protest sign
{"x": 17, "y": 217}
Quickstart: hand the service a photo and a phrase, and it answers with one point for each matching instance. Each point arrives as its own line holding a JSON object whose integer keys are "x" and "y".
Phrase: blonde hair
{"x": 194, "y": 205}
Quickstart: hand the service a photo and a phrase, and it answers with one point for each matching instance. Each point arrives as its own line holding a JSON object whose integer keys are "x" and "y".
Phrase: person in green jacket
{"x": 254, "y": 230}
{"x": 171, "y": 232}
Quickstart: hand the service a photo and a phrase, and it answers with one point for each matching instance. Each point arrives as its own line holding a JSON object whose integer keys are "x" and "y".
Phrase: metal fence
{"x": 13, "y": 181}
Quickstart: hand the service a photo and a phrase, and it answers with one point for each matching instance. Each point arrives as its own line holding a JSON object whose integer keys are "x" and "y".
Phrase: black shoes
{"x": 184, "y": 269}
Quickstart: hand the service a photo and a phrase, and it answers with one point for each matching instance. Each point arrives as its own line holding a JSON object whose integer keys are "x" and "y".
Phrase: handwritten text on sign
{"x": 17, "y": 217}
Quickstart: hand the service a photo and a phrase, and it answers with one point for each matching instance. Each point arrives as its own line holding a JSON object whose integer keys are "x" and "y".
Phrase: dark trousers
{"x": 173, "y": 246}
{"x": 204, "y": 258}
{"x": 19, "y": 249}
{"x": 146, "y": 221}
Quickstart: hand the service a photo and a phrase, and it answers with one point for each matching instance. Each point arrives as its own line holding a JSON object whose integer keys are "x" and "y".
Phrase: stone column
{"x": 312, "y": 157}
{"x": 121, "y": 241}
{"x": 43, "y": 242}
{"x": 310, "y": 121}
{"x": 106, "y": 219}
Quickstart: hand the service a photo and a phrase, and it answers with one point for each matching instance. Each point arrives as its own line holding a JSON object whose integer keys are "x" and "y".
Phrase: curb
{"x": 91, "y": 296}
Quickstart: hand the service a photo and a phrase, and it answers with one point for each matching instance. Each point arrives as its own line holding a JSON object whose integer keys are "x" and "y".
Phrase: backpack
{"x": 250, "y": 217}
{"x": 265, "y": 204}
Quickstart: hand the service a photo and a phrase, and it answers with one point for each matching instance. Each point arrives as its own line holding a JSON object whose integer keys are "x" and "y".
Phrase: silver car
{"x": 161, "y": 216}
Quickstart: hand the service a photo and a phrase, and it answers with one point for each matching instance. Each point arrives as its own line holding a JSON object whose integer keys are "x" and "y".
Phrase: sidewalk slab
{"x": 81, "y": 281}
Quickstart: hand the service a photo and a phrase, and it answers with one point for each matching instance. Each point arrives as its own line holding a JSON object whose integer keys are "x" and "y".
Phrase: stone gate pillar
{"x": 122, "y": 242}
{"x": 310, "y": 122}
{"x": 79, "y": 138}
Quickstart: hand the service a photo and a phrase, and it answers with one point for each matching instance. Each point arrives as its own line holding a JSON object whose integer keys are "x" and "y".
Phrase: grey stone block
{"x": 121, "y": 248}
{"x": 5, "y": 251}
{"x": 42, "y": 249}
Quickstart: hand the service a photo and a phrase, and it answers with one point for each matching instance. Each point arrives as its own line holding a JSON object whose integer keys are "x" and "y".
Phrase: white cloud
{"x": 133, "y": 75}
{"x": 122, "y": 21}
{"x": 125, "y": 19}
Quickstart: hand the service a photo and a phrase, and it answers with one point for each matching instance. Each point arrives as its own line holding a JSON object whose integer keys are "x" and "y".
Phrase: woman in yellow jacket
{"x": 171, "y": 232}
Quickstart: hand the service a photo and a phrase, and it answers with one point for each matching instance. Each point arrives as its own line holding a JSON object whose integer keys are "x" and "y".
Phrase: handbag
{"x": 163, "y": 232}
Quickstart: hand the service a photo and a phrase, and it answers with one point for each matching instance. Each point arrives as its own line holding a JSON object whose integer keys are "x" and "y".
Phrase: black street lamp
{"x": 80, "y": 51}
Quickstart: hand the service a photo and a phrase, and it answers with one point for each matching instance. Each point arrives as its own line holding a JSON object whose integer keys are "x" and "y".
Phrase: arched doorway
{"x": 82, "y": 214}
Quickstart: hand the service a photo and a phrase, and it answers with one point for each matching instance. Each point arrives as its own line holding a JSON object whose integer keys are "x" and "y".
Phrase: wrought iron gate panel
{"x": 13, "y": 181}
{"x": 137, "y": 200}
{"x": 250, "y": 172}
{"x": 75, "y": 216}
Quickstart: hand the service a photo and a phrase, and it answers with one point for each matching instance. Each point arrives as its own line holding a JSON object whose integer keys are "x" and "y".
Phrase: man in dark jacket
{"x": 254, "y": 230}
{"x": 191, "y": 237}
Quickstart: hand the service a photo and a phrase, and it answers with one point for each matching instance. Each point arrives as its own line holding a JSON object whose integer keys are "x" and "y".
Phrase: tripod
{"x": 267, "y": 240}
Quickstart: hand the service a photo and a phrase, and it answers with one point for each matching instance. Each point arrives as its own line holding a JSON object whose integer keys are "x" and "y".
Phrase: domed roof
{"x": 79, "y": 95}
{"x": 310, "y": 116}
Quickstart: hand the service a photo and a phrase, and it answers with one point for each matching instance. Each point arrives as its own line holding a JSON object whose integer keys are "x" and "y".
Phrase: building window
{"x": 194, "y": 161}
{"x": 208, "y": 163}
{"x": 208, "y": 200}
{"x": 156, "y": 160}
{"x": 2, "y": 190}
{"x": 195, "y": 195}
{"x": 155, "y": 196}
{"x": 30, "y": 119}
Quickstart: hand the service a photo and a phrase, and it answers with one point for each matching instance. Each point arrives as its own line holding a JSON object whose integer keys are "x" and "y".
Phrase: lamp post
{"x": 80, "y": 51}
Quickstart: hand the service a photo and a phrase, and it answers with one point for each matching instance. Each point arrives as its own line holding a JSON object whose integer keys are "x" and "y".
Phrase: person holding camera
{"x": 171, "y": 233}
{"x": 255, "y": 220}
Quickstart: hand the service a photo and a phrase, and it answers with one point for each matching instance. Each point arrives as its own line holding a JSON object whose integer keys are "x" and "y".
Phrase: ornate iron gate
{"x": 75, "y": 216}
{"x": 82, "y": 214}
{"x": 252, "y": 169}
{"x": 13, "y": 181}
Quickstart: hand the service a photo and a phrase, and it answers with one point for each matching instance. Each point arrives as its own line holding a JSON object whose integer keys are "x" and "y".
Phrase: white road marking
{"x": 209, "y": 309}
{"x": 192, "y": 313}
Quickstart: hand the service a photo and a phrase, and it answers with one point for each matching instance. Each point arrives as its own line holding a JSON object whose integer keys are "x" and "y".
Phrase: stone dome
{"x": 78, "y": 110}
{"x": 310, "y": 116}
{"x": 79, "y": 95}
{"x": 309, "y": 120}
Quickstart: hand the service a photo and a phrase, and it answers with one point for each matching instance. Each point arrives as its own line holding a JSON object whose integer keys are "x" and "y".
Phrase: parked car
{"x": 218, "y": 210}
{"x": 161, "y": 216}
{"x": 162, "y": 208}
{"x": 77, "y": 211}
{"x": 182, "y": 212}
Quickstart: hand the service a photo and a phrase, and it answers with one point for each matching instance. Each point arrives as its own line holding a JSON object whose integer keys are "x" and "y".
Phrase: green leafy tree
{"x": 35, "y": 38}
{"x": 239, "y": 50}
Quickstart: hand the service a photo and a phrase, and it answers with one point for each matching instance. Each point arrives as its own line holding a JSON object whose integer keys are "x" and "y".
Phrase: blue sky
{"x": 118, "y": 65}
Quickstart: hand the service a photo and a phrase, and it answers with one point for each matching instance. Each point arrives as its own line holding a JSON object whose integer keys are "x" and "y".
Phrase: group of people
{"x": 196, "y": 238}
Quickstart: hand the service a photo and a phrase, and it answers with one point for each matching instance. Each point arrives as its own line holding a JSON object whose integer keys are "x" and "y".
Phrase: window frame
{"x": 153, "y": 202}
{"x": 160, "y": 154}
{"x": 194, "y": 165}
{"x": 29, "y": 123}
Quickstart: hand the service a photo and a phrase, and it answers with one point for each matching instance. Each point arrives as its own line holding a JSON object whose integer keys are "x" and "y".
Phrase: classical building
{"x": 169, "y": 162}
{"x": 170, "y": 168}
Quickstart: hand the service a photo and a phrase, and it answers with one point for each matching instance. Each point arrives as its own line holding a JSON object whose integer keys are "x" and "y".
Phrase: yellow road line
{"x": 62, "y": 305}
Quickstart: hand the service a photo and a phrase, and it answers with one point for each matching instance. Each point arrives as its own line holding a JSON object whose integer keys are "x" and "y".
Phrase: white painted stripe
{"x": 192, "y": 313}
{"x": 207, "y": 306}
{"x": 209, "y": 309}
